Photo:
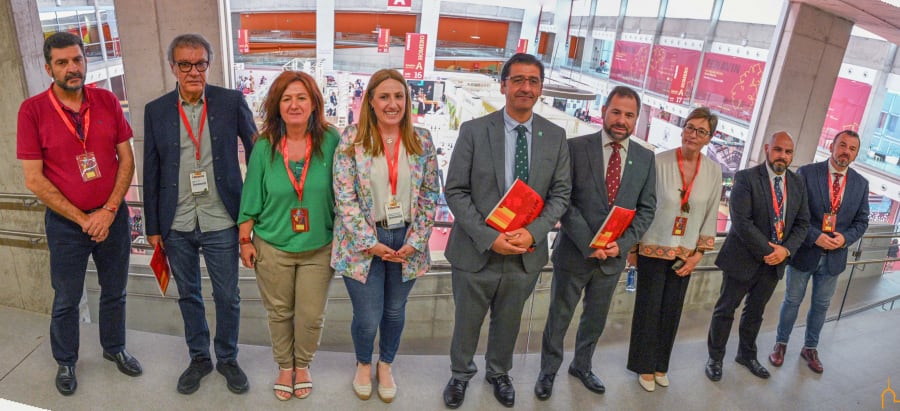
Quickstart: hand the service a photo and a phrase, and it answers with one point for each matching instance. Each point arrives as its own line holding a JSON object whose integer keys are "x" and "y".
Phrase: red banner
{"x": 679, "y": 88}
{"x": 630, "y": 62}
{"x": 243, "y": 41}
{"x": 662, "y": 77}
{"x": 848, "y": 103}
{"x": 394, "y": 4}
{"x": 384, "y": 40}
{"x": 414, "y": 57}
{"x": 523, "y": 46}
{"x": 729, "y": 84}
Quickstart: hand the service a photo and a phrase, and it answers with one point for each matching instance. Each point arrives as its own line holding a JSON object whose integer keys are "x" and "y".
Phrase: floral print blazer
{"x": 354, "y": 226}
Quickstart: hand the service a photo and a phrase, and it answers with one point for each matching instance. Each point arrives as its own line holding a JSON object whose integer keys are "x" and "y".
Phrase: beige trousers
{"x": 294, "y": 290}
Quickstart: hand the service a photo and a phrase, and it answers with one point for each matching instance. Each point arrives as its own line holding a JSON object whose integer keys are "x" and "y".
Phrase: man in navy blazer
{"x": 192, "y": 192}
{"x": 839, "y": 215}
{"x": 578, "y": 269}
{"x": 769, "y": 220}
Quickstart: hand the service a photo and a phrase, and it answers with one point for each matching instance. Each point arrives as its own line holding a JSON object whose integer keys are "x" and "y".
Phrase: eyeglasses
{"x": 186, "y": 67}
{"x": 700, "y": 132}
{"x": 520, "y": 80}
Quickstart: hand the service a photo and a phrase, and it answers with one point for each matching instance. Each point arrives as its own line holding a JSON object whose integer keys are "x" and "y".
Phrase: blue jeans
{"x": 795, "y": 288}
{"x": 220, "y": 251}
{"x": 69, "y": 251}
{"x": 380, "y": 302}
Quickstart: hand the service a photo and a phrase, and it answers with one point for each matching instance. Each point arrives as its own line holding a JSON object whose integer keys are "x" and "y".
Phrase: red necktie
{"x": 836, "y": 192}
{"x": 613, "y": 173}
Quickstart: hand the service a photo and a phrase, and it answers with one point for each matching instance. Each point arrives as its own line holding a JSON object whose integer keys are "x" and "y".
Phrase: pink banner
{"x": 414, "y": 56}
{"x": 679, "y": 89}
{"x": 384, "y": 40}
{"x": 662, "y": 77}
{"x": 522, "y": 47}
{"x": 729, "y": 84}
{"x": 243, "y": 41}
{"x": 630, "y": 62}
{"x": 845, "y": 111}
{"x": 406, "y": 4}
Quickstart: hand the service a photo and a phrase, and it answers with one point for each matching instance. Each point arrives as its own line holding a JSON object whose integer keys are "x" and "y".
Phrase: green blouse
{"x": 268, "y": 197}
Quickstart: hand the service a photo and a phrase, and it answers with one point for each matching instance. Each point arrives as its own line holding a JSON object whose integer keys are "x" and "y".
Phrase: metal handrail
{"x": 33, "y": 237}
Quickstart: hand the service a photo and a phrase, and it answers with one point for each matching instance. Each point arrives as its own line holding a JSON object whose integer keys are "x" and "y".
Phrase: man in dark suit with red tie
{"x": 839, "y": 214}
{"x": 769, "y": 220}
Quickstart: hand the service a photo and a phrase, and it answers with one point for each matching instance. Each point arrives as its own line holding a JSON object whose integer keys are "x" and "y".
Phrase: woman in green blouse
{"x": 288, "y": 205}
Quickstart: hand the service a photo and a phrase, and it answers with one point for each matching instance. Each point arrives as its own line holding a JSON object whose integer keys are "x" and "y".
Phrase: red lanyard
{"x": 836, "y": 199}
{"x": 284, "y": 153}
{"x": 187, "y": 126}
{"x": 68, "y": 121}
{"x": 779, "y": 207}
{"x": 685, "y": 187}
{"x": 392, "y": 166}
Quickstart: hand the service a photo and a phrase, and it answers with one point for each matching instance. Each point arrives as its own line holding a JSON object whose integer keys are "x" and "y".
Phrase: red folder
{"x": 518, "y": 208}
{"x": 160, "y": 265}
{"x": 615, "y": 224}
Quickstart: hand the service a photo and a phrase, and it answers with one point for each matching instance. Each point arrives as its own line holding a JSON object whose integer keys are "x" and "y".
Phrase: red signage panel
{"x": 848, "y": 103}
{"x": 243, "y": 41}
{"x": 662, "y": 77}
{"x": 384, "y": 40}
{"x": 406, "y": 4}
{"x": 522, "y": 47}
{"x": 729, "y": 84}
{"x": 414, "y": 56}
{"x": 630, "y": 62}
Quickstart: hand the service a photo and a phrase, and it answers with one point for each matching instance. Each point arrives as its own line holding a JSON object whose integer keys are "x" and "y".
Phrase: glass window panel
{"x": 608, "y": 8}
{"x": 689, "y": 9}
{"x": 756, "y": 11}
{"x": 581, "y": 8}
{"x": 642, "y": 8}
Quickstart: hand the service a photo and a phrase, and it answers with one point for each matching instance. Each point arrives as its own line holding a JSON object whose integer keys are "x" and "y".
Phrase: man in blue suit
{"x": 192, "y": 192}
{"x": 839, "y": 215}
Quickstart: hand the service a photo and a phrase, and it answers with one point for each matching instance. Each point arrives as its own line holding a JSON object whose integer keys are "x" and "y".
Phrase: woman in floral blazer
{"x": 386, "y": 188}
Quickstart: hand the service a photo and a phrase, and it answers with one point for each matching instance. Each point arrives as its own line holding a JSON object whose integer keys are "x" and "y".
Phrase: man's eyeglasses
{"x": 186, "y": 67}
{"x": 700, "y": 132}
{"x": 520, "y": 80}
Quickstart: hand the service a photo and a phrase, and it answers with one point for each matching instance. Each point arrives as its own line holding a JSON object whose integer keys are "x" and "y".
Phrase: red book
{"x": 615, "y": 224}
{"x": 160, "y": 265}
{"x": 518, "y": 208}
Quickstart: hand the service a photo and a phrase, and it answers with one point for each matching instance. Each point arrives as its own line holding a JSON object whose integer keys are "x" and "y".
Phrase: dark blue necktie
{"x": 521, "y": 165}
{"x": 779, "y": 202}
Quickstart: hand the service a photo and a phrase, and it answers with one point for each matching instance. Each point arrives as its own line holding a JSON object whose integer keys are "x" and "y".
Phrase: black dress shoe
{"x": 127, "y": 364}
{"x": 503, "y": 389}
{"x": 590, "y": 381}
{"x": 189, "y": 381}
{"x": 65, "y": 379}
{"x": 455, "y": 393}
{"x": 754, "y": 366}
{"x": 713, "y": 369}
{"x": 234, "y": 376}
{"x": 543, "y": 388}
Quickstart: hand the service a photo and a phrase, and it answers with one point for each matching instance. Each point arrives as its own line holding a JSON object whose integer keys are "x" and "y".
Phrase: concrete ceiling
{"x": 876, "y": 16}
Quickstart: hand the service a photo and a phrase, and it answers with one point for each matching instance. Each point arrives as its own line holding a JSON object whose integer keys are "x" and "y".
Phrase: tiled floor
{"x": 860, "y": 353}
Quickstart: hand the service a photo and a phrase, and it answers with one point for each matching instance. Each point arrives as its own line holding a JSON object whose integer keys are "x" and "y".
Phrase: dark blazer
{"x": 228, "y": 118}
{"x": 589, "y": 204}
{"x": 752, "y": 214}
{"x": 852, "y": 217}
{"x": 476, "y": 180}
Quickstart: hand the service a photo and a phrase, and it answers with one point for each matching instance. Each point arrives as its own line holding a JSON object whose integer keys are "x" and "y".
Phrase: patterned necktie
{"x": 779, "y": 202}
{"x": 521, "y": 166}
{"x": 836, "y": 192}
{"x": 613, "y": 172}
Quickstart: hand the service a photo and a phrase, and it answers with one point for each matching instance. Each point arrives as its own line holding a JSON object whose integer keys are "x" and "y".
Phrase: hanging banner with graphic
{"x": 523, "y": 46}
{"x": 243, "y": 41}
{"x": 629, "y": 62}
{"x": 845, "y": 111}
{"x": 384, "y": 40}
{"x": 414, "y": 56}
{"x": 729, "y": 84}
{"x": 399, "y": 5}
{"x": 664, "y": 77}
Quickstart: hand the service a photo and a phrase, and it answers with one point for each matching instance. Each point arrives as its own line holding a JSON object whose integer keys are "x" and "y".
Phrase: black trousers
{"x": 657, "y": 312}
{"x": 758, "y": 289}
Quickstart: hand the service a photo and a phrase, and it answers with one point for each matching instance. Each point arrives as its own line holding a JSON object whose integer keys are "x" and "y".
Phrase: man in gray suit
{"x": 607, "y": 170}
{"x": 498, "y": 270}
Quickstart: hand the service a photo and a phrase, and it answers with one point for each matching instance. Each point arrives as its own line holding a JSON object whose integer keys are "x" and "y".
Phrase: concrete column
{"x": 805, "y": 68}
{"x": 146, "y": 29}
{"x": 325, "y": 34}
{"x": 428, "y": 24}
{"x": 530, "y": 25}
{"x": 561, "y": 22}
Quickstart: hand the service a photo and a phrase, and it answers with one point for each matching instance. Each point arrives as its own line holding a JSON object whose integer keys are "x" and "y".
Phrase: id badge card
{"x": 199, "y": 185}
{"x": 779, "y": 229}
{"x": 300, "y": 220}
{"x": 394, "y": 214}
{"x": 829, "y": 221}
{"x": 679, "y": 226}
{"x": 87, "y": 166}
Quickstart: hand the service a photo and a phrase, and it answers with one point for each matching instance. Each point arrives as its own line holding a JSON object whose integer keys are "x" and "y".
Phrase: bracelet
{"x": 245, "y": 240}
{"x": 112, "y": 209}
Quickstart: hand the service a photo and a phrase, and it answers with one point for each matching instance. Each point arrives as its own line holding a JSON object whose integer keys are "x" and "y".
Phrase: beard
{"x": 64, "y": 84}
{"x": 842, "y": 162}
{"x": 779, "y": 167}
{"x": 617, "y": 136}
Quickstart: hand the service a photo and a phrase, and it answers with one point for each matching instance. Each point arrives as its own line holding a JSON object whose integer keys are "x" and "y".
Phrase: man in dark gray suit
{"x": 498, "y": 270}
{"x": 601, "y": 164}
{"x": 769, "y": 220}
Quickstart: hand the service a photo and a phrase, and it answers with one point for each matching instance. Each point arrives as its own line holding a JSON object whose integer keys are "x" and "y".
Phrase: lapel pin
{"x": 540, "y": 133}
{"x": 629, "y": 162}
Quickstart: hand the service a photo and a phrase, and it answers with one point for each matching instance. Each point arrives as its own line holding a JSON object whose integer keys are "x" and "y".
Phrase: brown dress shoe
{"x": 777, "y": 355}
{"x": 812, "y": 359}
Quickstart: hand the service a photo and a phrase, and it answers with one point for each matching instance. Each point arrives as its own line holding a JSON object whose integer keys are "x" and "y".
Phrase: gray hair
{"x": 189, "y": 40}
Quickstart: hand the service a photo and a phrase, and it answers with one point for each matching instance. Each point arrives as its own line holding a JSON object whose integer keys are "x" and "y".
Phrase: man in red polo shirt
{"x": 74, "y": 143}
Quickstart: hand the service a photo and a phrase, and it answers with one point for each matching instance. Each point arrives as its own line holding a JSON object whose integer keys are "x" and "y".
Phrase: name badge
{"x": 199, "y": 185}
{"x": 680, "y": 225}
{"x": 300, "y": 220}
{"x": 829, "y": 221}
{"x": 394, "y": 214}
{"x": 87, "y": 166}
